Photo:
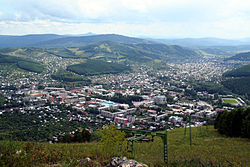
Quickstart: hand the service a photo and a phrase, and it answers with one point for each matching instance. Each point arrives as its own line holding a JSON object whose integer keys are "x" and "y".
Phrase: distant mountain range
{"x": 204, "y": 42}
{"x": 26, "y": 40}
{"x": 55, "y": 41}
{"x": 114, "y": 51}
{"x": 113, "y": 46}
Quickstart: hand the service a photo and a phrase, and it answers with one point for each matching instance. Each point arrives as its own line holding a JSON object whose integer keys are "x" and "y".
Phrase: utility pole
{"x": 190, "y": 134}
{"x": 165, "y": 142}
{"x": 185, "y": 132}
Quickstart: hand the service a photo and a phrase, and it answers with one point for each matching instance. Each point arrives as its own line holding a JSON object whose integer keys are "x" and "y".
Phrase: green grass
{"x": 209, "y": 148}
{"x": 206, "y": 146}
{"x": 230, "y": 101}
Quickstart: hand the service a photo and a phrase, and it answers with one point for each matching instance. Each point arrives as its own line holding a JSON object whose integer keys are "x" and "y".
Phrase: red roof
{"x": 152, "y": 111}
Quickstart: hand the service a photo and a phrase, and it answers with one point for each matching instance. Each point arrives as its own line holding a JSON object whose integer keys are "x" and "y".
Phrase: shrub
{"x": 113, "y": 141}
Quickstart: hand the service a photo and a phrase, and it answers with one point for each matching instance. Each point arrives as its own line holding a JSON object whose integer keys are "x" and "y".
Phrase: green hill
{"x": 96, "y": 67}
{"x": 240, "y": 57}
{"x": 243, "y": 71}
{"x": 22, "y": 63}
{"x": 238, "y": 80}
{"x": 138, "y": 52}
{"x": 66, "y": 76}
{"x": 238, "y": 85}
{"x": 79, "y": 41}
{"x": 209, "y": 148}
{"x": 59, "y": 41}
{"x": 25, "y": 40}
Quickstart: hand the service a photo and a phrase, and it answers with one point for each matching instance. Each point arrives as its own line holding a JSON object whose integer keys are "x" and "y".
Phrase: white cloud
{"x": 224, "y": 18}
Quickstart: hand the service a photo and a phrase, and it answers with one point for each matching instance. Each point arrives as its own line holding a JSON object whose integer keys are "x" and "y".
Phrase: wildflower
{"x": 18, "y": 152}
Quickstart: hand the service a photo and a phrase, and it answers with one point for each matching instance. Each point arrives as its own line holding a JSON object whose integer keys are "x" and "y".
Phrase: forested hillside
{"x": 240, "y": 57}
{"x": 21, "y": 63}
{"x": 70, "y": 77}
{"x": 97, "y": 67}
{"x": 141, "y": 52}
{"x": 79, "y": 41}
{"x": 243, "y": 71}
{"x": 238, "y": 80}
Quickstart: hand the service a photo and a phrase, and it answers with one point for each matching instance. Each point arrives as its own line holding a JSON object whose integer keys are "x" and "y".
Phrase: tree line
{"x": 234, "y": 123}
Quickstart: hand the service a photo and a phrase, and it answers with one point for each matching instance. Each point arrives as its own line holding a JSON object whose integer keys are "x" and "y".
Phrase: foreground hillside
{"x": 208, "y": 149}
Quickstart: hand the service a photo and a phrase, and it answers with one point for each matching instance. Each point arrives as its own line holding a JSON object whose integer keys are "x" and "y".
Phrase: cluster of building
{"x": 161, "y": 101}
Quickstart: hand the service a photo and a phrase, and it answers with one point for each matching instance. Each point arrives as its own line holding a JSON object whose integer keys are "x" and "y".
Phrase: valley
{"x": 47, "y": 93}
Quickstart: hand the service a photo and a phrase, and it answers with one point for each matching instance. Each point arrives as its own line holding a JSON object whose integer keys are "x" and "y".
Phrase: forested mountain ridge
{"x": 79, "y": 41}
{"x": 114, "y": 51}
{"x": 141, "y": 52}
{"x": 25, "y": 40}
{"x": 57, "y": 41}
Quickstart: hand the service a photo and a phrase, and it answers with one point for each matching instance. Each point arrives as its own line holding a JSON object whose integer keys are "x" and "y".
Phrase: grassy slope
{"x": 208, "y": 147}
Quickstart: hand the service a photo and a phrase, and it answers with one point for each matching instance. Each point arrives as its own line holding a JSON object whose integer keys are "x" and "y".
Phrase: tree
{"x": 234, "y": 123}
{"x": 246, "y": 124}
{"x": 113, "y": 141}
{"x": 79, "y": 136}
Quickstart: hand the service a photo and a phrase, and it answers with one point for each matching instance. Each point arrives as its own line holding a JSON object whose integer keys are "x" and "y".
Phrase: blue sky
{"x": 152, "y": 18}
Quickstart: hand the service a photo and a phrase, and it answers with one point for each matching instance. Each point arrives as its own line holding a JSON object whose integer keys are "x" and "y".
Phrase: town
{"x": 147, "y": 99}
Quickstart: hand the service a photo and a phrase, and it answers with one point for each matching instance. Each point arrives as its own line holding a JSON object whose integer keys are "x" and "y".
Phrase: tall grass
{"x": 209, "y": 148}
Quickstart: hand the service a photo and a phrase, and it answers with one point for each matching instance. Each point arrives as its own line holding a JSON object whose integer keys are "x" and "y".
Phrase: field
{"x": 230, "y": 101}
{"x": 208, "y": 149}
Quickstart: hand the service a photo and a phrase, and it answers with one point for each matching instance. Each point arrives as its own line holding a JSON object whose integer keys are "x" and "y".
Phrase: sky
{"x": 140, "y": 18}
